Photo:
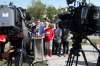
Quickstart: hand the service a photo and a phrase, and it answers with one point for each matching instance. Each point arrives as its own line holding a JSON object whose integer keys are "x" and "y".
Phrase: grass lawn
{"x": 96, "y": 41}
{"x": 4, "y": 63}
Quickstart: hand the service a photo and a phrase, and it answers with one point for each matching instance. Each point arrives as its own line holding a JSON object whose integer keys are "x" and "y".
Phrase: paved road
{"x": 90, "y": 52}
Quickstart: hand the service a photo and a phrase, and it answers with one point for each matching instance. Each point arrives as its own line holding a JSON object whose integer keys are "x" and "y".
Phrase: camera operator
{"x": 5, "y": 47}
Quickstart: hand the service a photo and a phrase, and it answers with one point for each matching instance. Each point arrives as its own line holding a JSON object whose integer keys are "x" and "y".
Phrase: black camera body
{"x": 83, "y": 19}
{"x": 12, "y": 18}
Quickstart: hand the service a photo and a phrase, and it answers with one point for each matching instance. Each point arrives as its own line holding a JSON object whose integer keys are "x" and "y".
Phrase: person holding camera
{"x": 5, "y": 47}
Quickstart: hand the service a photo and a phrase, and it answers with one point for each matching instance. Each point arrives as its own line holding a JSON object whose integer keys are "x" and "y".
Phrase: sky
{"x": 56, "y": 3}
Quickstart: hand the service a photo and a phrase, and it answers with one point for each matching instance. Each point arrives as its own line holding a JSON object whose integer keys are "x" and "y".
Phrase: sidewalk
{"x": 61, "y": 61}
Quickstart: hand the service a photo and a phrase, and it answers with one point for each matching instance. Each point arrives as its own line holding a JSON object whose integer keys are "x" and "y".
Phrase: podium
{"x": 38, "y": 48}
{"x": 39, "y": 51}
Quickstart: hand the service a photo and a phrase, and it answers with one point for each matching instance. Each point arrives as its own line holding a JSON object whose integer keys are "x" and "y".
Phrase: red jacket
{"x": 49, "y": 34}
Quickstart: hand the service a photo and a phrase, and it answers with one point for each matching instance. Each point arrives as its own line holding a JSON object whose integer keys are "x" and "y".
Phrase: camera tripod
{"x": 77, "y": 48}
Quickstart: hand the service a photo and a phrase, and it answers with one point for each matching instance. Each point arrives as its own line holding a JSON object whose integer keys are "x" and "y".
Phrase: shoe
{"x": 44, "y": 58}
{"x": 64, "y": 55}
{"x": 59, "y": 55}
{"x": 47, "y": 57}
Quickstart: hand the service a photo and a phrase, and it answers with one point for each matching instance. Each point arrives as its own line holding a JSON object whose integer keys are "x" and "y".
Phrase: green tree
{"x": 51, "y": 12}
{"x": 37, "y": 10}
{"x": 62, "y": 10}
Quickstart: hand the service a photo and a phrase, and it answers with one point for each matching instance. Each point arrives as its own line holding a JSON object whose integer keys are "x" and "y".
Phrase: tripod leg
{"x": 72, "y": 60}
{"x": 84, "y": 57}
{"x": 95, "y": 48}
{"x": 69, "y": 59}
{"x": 76, "y": 60}
{"x": 93, "y": 45}
{"x": 98, "y": 61}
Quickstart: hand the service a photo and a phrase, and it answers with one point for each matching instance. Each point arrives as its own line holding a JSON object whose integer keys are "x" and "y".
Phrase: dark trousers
{"x": 59, "y": 49}
{"x": 65, "y": 47}
{"x": 1, "y": 48}
{"x": 56, "y": 48}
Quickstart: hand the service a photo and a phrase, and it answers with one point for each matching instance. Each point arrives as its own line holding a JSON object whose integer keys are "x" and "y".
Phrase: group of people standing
{"x": 55, "y": 36}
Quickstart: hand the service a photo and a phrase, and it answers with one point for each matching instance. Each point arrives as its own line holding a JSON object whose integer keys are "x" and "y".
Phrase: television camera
{"x": 13, "y": 24}
{"x": 82, "y": 19}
